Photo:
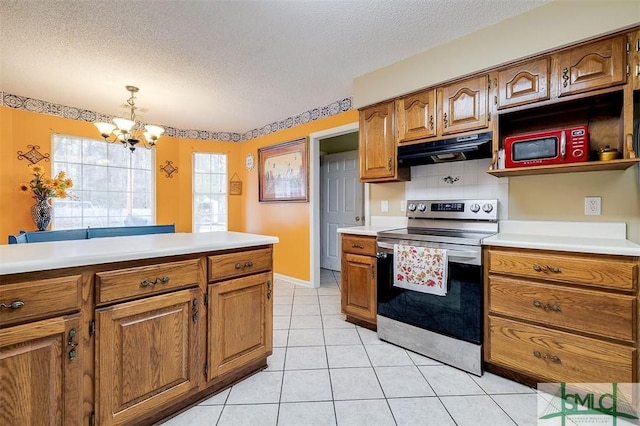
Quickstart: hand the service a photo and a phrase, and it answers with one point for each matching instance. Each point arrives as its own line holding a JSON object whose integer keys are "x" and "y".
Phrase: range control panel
{"x": 479, "y": 209}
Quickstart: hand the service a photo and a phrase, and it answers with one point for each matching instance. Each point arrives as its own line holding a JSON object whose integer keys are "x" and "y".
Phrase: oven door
{"x": 457, "y": 315}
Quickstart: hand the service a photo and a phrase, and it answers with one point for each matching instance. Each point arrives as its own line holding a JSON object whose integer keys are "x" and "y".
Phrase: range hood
{"x": 469, "y": 147}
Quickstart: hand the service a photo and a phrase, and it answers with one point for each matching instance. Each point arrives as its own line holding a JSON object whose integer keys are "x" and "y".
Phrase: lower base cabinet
{"x": 146, "y": 355}
{"x": 359, "y": 279}
{"x": 240, "y": 325}
{"x": 41, "y": 373}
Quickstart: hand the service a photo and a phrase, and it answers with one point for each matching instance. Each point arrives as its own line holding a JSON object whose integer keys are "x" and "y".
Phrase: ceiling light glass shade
{"x": 124, "y": 125}
{"x": 105, "y": 129}
{"x": 129, "y": 131}
{"x": 154, "y": 131}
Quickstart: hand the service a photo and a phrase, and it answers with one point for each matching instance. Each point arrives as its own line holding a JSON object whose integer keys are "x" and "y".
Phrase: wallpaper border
{"x": 44, "y": 107}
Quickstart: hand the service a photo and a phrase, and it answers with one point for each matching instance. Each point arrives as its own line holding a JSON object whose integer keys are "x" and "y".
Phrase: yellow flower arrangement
{"x": 45, "y": 187}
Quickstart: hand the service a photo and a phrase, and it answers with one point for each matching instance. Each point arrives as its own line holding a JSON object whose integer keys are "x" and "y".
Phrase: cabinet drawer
{"x": 223, "y": 266}
{"x": 557, "y": 356}
{"x": 596, "y": 270}
{"x": 358, "y": 244}
{"x": 144, "y": 280}
{"x": 610, "y": 315}
{"x": 40, "y": 299}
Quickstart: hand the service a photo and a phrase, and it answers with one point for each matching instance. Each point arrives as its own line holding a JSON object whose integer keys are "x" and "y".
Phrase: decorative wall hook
{"x": 33, "y": 154}
{"x": 451, "y": 179}
{"x": 169, "y": 169}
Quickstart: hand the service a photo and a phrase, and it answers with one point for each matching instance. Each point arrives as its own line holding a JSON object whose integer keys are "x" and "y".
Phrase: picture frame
{"x": 283, "y": 172}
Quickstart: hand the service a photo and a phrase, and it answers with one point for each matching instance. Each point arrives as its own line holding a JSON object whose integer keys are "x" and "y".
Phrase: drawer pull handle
{"x": 552, "y": 358}
{"x": 269, "y": 289}
{"x": 357, "y": 245}
{"x": 565, "y": 77}
{"x": 546, "y": 306}
{"x": 13, "y": 305}
{"x": 546, "y": 269}
{"x": 158, "y": 280}
{"x": 247, "y": 264}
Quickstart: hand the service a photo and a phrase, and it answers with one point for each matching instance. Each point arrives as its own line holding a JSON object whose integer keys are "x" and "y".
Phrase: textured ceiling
{"x": 220, "y": 65}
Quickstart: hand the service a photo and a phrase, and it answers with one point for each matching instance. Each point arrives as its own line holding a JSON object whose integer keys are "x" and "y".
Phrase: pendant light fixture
{"x": 129, "y": 131}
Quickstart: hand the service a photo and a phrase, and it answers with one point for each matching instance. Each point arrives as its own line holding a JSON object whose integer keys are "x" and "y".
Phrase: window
{"x": 209, "y": 192}
{"x": 111, "y": 185}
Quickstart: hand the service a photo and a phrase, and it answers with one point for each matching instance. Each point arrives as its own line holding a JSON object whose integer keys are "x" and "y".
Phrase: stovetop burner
{"x": 447, "y": 221}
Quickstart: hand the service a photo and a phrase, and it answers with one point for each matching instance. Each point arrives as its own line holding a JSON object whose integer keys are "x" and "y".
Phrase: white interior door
{"x": 341, "y": 203}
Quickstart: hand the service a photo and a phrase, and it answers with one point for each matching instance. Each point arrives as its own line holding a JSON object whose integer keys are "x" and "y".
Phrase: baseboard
{"x": 292, "y": 280}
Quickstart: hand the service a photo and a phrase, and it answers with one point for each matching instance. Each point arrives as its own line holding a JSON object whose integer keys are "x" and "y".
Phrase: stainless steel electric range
{"x": 446, "y": 328}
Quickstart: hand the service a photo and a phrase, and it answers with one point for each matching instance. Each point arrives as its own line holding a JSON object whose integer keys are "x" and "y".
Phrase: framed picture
{"x": 284, "y": 172}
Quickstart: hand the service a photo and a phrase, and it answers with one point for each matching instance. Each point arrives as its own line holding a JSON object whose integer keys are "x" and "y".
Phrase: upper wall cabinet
{"x": 523, "y": 83}
{"x": 592, "y": 66}
{"x": 378, "y": 154}
{"x": 437, "y": 112}
{"x": 464, "y": 105}
{"x": 416, "y": 116}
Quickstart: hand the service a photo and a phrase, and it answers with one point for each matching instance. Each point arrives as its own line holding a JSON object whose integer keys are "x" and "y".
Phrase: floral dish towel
{"x": 421, "y": 269}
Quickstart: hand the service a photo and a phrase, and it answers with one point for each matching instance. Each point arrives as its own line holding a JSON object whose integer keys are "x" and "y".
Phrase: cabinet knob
{"x": 431, "y": 121}
{"x": 445, "y": 120}
{"x": 389, "y": 164}
{"x": 565, "y": 77}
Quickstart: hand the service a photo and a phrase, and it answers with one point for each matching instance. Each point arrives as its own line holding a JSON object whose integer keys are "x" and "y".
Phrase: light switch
{"x": 384, "y": 206}
{"x": 403, "y": 205}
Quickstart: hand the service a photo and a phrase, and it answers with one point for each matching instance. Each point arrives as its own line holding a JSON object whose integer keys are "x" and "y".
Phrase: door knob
{"x": 357, "y": 218}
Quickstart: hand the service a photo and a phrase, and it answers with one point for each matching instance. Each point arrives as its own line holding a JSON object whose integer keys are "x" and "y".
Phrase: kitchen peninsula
{"x": 129, "y": 330}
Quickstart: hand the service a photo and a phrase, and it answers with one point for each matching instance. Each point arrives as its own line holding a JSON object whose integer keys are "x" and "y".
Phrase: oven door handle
{"x": 450, "y": 253}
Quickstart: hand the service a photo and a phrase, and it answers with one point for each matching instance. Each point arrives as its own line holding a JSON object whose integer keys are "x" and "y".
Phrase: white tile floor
{"x": 325, "y": 371}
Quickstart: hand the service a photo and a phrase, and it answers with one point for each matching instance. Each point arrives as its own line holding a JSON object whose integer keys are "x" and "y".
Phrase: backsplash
{"x": 458, "y": 180}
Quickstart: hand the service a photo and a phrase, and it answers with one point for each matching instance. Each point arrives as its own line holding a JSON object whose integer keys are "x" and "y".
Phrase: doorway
{"x": 315, "y": 140}
{"x": 341, "y": 197}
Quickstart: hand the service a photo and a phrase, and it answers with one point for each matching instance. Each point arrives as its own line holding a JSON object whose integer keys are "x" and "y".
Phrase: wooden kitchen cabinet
{"x": 524, "y": 83}
{"x": 41, "y": 373}
{"x": 240, "y": 322}
{"x": 634, "y": 60}
{"x": 416, "y": 116}
{"x": 358, "y": 279}
{"x": 377, "y": 145}
{"x": 464, "y": 105}
{"x": 591, "y": 66}
{"x": 146, "y": 355}
{"x": 561, "y": 317}
{"x": 240, "y": 295}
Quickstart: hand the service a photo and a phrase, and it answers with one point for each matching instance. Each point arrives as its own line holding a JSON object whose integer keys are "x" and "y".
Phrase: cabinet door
{"x": 465, "y": 106}
{"x": 593, "y": 66}
{"x": 416, "y": 116}
{"x": 524, "y": 83}
{"x": 377, "y": 145}
{"x": 145, "y": 355}
{"x": 635, "y": 59}
{"x": 41, "y": 373}
{"x": 359, "y": 287}
{"x": 240, "y": 322}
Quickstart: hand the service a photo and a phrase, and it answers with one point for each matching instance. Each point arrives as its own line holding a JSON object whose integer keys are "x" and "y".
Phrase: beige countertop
{"x": 581, "y": 237}
{"x": 18, "y": 258}
{"x": 371, "y": 230}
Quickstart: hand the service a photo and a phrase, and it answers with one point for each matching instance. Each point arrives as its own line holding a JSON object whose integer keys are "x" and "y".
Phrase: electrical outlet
{"x": 403, "y": 205}
{"x": 592, "y": 206}
{"x": 384, "y": 206}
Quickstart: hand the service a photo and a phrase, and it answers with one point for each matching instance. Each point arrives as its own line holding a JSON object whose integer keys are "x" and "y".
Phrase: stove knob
{"x": 475, "y": 207}
{"x": 412, "y": 207}
{"x": 422, "y": 207}
{"x": 487, "y": 208}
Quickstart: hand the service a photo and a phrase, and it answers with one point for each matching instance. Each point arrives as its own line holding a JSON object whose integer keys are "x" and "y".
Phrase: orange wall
{"x": 287, "y": 221}
{"x": 173, "y": 195}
